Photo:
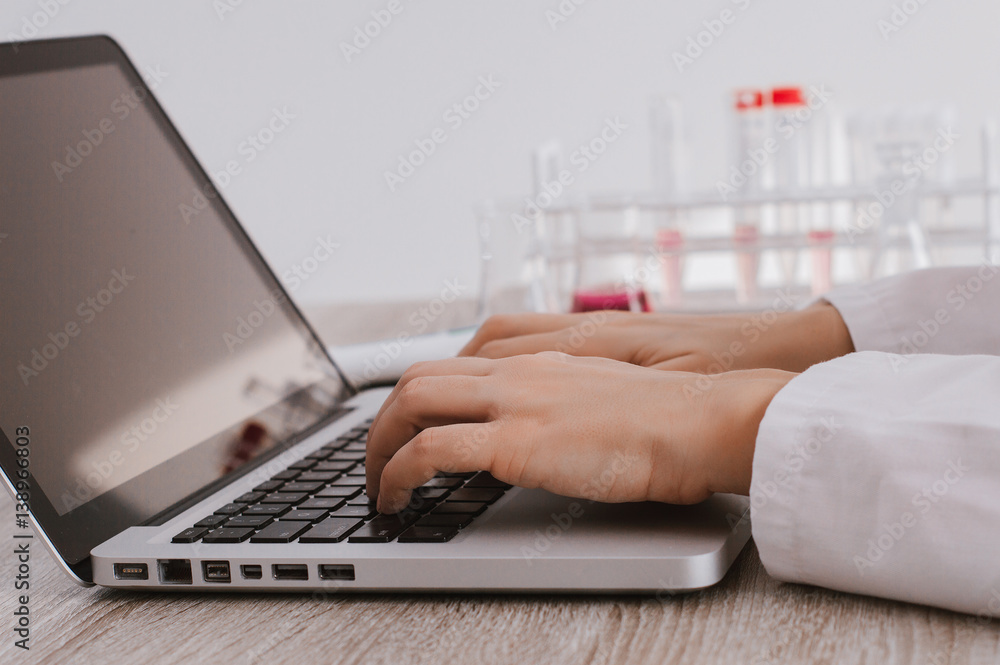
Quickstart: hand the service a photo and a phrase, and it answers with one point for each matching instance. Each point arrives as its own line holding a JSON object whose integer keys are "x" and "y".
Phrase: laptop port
{"x": 175, "y": 571}
{"x": 290, "y": 571}
{"x": 336, "y": 571}
{"x": 251, "y": 571}
{"x": 131, "y": 571}
{"x": 215, "y": 571}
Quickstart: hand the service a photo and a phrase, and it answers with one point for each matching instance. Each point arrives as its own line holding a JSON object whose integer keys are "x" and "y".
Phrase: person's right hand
{"x": 791, "y": 341}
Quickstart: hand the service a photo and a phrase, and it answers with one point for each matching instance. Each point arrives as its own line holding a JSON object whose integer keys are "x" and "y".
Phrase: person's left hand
{"x": 582, "y": 427}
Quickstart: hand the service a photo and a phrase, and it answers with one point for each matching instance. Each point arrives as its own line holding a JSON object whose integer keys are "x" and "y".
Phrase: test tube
{"x": 791, "y": 168}
{"x": 751, "y": 160}
{"x": 670, "y": 243}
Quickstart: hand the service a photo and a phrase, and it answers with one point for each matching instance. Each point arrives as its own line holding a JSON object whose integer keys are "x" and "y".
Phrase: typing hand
{"x": 583, "y": 427}
{"x": 791, "y": 341}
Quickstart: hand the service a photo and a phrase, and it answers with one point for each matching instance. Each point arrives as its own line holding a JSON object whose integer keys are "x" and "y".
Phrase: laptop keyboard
{"x": 321, "y": 499}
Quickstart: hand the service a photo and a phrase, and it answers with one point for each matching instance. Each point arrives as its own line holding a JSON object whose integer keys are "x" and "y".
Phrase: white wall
{"x": 225, "y": 72}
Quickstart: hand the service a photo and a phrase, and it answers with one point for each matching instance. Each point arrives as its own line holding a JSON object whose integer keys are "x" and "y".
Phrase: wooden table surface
{"x": 747, "y": 618}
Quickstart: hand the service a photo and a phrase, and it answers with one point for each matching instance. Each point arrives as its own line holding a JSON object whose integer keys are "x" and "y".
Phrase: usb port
{"x": 131, "y": 571}
{"x": 290, "y": 571}
{"x": 215, "y": 571}
{"x": 251, "y": 571}
{"x": 336, "y": 571}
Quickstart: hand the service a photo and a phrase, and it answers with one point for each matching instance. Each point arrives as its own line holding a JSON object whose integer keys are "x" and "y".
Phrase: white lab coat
{"x": 879, "y": 473}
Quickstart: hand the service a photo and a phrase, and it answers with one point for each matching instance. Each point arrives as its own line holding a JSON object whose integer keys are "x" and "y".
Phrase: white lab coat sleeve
{"x": 879, "y": 474}
{"x": 954, "y": 311}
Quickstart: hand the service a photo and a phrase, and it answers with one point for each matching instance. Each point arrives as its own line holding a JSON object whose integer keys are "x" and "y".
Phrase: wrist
{"x": 813, "y": 335}
{"x": 740, "y": 405}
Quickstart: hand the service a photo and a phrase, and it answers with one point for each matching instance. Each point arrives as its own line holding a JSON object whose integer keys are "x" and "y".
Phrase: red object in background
{"x": 748, "y": 99}
{"x": 595, "y": 300}
{"x": 791, "y": 96}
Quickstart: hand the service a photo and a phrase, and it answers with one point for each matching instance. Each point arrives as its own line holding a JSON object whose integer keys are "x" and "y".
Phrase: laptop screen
{"x": 146, "y": 351}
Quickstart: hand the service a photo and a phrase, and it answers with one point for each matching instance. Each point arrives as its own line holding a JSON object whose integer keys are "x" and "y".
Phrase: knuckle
{"x": 412, "y": 391}
{"x": 425, "y": 444}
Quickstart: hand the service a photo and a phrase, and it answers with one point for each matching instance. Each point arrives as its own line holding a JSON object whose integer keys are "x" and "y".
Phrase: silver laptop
{"x": 170, "y": 420}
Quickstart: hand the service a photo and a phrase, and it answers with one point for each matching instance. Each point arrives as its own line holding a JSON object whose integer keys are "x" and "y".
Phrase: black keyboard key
{"x": 356, "y": 447}
{"x": 357, "y": 471}
{"x": 299, "y": 486}
{"x": 355, "y": 511}
{"x": 249, "y": 497}
{"x": 322, "y": 503}
{"x": 484, "y": 494}
{"x": 287, "y": 474}
{"x": 302, "y": 464}
{"x": 341, "y": 491}
{"x": 211, "y": 521}
{"x": 361, "y": 500}
{"x": 285, "y": 497}
{"x": 255, "y": 521}
{"x": 269, "y": 486}
{"x": 355, "y": 481}
{"x": 462, "y": 508}
{"x": 228, "y": 535}
{"x": 383, "y": 528}
{"x": 319, "y": 476}
{"x": 450, "y": 483}
{"x": 330, "y": 530}
{"x": 312, "y": 515}
{"x": 356, "y": 456}
{"x": 428, "y": 534}
{"x": 191, "y": 535}
{"x": 280, "y": 532}
{"x": 272, "y": 509}
{"x": 230, "y": 509}
{"x": 320, "y": 454}
{"x": 334, "y": 465}
{"x": 457, "y": 521}
{"x": 484, "y": 479}
{"x": 431, "y": 492}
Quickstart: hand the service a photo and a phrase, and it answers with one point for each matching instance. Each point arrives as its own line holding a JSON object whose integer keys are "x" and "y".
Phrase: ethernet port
{"x": 175, "y": 571}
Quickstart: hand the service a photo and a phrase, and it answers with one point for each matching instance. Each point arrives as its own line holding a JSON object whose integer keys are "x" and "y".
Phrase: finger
{"x": 685, "y": 363}
{"x": 571, "y": 341}
{"x": 451, "y": 448}
{"x": 514, "y": 325}
{"x": 427, "y": 401}
{"x": 450, "y": 366}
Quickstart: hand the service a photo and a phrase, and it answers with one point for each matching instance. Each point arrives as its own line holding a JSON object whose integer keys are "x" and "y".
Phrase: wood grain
{"x": 748, "y": 618}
